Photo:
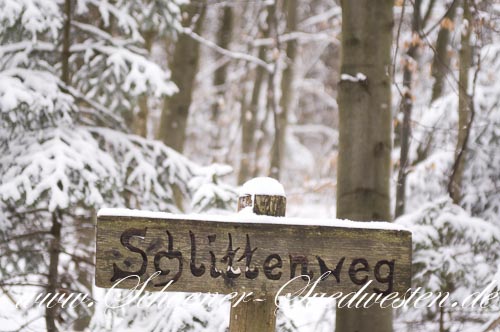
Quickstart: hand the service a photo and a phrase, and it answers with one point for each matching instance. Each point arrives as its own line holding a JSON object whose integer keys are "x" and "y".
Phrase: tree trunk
{"x": 281, "y": 119}
{"x": 406, "y": 109}
{"x": 66, "y": 43}
{"x": 184, "y": 67}
{"x": 53, "y": 276}
{"x": 224, "y": 36}
{"x": 259, "y": 146}
{"x": 55, "y": 231}
{"x": 86, "y": 238}
{"x": 249, "y": 117}
{"x": 441, "y": 61}
{"x": 365, "y": 126}
{"x": 464, "y": 107}
{"x": 440, "y": 68}
{"x": 223, "y": 40}
{"x": 140, "y": 124}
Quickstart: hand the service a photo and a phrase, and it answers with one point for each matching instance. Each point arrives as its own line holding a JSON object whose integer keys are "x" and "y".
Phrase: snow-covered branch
{"x": 301, "y": 37}
{"x": 320, "y": 18}
{"x": 231, "y": 54}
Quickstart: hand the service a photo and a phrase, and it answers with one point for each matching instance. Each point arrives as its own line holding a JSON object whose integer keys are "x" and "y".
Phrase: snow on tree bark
{"x": 365, "y": 126}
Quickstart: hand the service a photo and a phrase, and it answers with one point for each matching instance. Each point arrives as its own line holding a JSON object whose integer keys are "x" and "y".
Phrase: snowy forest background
{"x": 169, "y": 105}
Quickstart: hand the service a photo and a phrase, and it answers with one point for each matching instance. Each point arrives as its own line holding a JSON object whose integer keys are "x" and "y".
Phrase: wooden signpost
{"x": 248, "y": 253}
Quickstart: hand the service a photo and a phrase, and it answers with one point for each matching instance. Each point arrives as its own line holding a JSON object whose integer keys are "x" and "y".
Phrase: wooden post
{"x": 259, "y": 313}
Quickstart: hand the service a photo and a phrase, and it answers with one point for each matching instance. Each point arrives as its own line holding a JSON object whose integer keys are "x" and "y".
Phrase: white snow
{"x": 252, "y": 218}
{"x": 233, "y": 270}
{"x": 246, "y": 210}
{"x": 347, "y": 77}
{"x": 262, "y": 186}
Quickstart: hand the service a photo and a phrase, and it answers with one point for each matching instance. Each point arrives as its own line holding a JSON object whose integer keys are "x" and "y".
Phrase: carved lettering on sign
{"x": 323, "y": 269}
{"x": 168, "y": 252}
{"x": 196, "y": 271}
{"x": 302, "y": 261}
{"x": 125, "y": 238}
{"x": 353, "y": 271}
{"x": 389, "y": 279}
{"x": 271, "y": 264}
{"x": 249, "y": 273}
{"x": 229, "y": 259}
{"x": 268, "y": 267}
{"x": 171, "y": 254}
{"x": 214, "y": 272}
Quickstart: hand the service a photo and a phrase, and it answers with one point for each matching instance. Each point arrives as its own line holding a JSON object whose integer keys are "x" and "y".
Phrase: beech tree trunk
{"x": 249, "y": 116}
{"x": 223, "y": 40}
{"x": 278, "y": 150}
{"x": 184, "y": 67}
{"x": 224, "y": 36}
{"x": 464, "y": 107}
{"x": 365, "y": 126}
{"x": 406, "y": 108}
{"x": 440, "y": 69}
{"x": 441, "y": 61}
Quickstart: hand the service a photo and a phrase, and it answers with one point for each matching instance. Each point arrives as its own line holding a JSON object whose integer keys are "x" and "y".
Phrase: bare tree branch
{"x": 231, "y": 54}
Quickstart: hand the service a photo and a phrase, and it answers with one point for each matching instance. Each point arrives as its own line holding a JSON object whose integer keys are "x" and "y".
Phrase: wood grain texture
{"x": 267, "y": 205}
{"x": 254, "y": 315}
{"x": 356, "y": 255}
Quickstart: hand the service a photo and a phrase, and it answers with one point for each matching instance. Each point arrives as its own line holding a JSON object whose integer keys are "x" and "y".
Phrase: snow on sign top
{"x": 262, "y": 186}
{"x": 252, "y": 218}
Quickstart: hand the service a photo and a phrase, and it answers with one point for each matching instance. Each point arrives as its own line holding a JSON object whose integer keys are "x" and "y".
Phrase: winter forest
{"x": 368, "y": 110}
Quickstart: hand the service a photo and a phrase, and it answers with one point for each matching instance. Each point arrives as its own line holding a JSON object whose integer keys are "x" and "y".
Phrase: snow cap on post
{"x": 264, "y": 196}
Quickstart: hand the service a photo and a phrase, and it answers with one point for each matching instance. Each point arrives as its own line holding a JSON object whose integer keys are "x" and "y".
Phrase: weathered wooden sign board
{"x": 226, "y": 254}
